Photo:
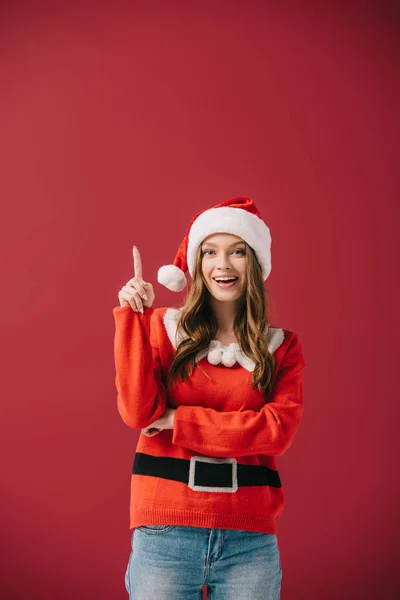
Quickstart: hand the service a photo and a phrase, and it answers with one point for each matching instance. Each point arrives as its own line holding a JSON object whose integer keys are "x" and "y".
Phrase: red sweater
{"x": 234, "y": 430}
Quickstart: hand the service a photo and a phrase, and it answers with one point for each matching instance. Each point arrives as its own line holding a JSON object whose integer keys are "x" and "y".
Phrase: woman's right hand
{"x": 136, "y": 292}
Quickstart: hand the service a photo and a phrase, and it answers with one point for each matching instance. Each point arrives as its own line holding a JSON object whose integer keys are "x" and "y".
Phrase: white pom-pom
{"x": 228, "y": 359}
{"x": 172, "y": 277}
{"x": 214, "y": 356}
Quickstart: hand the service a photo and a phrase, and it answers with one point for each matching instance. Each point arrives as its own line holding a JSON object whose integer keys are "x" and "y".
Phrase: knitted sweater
{"x": 217, "y": 467}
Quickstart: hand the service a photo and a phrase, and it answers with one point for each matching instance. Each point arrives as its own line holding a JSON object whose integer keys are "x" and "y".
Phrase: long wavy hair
{"x": 198, "y": 322}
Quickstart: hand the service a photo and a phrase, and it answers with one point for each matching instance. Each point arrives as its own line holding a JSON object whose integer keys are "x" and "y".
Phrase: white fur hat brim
{"x": 242, "y": 223}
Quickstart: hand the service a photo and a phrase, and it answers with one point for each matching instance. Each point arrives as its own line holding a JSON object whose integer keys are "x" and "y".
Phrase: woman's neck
{"x": 225, "y": 314}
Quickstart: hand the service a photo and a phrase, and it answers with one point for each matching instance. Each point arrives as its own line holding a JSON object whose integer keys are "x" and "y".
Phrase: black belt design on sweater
{"x": 205, "y": 473}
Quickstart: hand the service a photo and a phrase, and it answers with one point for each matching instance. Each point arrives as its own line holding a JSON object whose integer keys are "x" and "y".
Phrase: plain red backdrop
{"x": 119, "y": 121}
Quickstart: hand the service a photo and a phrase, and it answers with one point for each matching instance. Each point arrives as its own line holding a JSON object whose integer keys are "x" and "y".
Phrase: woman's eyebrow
{"x": 212, "y": 244}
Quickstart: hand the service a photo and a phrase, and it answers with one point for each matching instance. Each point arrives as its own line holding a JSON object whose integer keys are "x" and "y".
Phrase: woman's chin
{"x": 226, "y": 295}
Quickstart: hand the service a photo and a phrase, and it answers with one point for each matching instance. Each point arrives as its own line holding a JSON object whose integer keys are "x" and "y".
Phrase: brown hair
{"x": 198, "y": 322}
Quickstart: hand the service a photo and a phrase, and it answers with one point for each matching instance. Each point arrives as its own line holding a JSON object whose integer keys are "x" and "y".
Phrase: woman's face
{"x": 224, "y": 255}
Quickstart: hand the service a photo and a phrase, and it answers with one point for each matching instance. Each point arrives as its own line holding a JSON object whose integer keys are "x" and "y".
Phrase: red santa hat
{"x": 238, "y": 216}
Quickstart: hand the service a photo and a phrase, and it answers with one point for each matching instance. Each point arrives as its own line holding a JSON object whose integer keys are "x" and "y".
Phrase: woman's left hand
{"x": 166, "y": 421}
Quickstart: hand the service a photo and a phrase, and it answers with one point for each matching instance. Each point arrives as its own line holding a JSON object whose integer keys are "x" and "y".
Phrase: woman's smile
{"x": 225, "y": 283}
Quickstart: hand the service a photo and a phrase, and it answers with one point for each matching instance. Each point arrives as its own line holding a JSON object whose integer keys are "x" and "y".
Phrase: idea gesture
{"x": 137, "y": 292}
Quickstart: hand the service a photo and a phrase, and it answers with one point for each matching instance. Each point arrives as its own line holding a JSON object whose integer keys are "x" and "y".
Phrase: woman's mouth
{"x": 225, "y": 282}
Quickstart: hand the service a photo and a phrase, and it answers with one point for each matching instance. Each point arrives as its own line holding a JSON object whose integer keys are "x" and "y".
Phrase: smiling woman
{"x": 224, "y": 264}
{"x": 233, "y": 312}
{"x": 219, "y": 398}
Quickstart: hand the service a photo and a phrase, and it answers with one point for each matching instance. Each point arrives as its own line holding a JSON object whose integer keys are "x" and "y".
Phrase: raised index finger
{"x": 137, "y": 263}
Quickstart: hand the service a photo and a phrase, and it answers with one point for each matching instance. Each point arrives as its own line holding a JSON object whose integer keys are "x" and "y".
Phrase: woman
{"x": 218, "y": 394}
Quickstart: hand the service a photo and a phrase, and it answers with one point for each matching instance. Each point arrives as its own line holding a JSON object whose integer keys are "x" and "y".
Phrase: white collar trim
{"x": 233, "y": 353}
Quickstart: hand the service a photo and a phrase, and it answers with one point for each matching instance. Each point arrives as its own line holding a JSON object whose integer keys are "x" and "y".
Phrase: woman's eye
{"x": 237, "y": 250}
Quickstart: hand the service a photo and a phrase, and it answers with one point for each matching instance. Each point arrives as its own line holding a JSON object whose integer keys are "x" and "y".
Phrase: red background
{"x": 119, "y": 122}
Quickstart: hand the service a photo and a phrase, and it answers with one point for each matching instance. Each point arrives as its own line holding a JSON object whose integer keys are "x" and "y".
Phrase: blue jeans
{"x": 171, "y": 562}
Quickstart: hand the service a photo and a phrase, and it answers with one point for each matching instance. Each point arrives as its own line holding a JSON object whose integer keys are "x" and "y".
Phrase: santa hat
{"x": 238, "y": 216}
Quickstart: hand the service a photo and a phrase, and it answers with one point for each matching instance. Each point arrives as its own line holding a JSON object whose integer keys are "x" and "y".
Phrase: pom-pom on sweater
{"x": 217, "y": 467}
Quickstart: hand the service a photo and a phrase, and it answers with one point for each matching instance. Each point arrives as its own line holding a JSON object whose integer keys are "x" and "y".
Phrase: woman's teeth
{"x": 225, "y": 283}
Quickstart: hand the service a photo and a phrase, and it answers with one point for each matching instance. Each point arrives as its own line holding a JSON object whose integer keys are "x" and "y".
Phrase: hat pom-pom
{"x": 172, "y": 277}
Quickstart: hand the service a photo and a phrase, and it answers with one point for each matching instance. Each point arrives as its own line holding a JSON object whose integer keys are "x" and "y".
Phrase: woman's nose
{"x": 224, "y": 262}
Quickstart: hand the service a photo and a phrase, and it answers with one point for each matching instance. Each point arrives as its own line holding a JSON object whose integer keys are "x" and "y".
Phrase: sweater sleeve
{"x": 141, "y": 393}
{"x": 243, "y": 433}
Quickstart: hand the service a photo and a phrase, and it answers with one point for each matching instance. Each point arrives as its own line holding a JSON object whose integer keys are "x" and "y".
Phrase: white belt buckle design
{"x": 208, "y": 488}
